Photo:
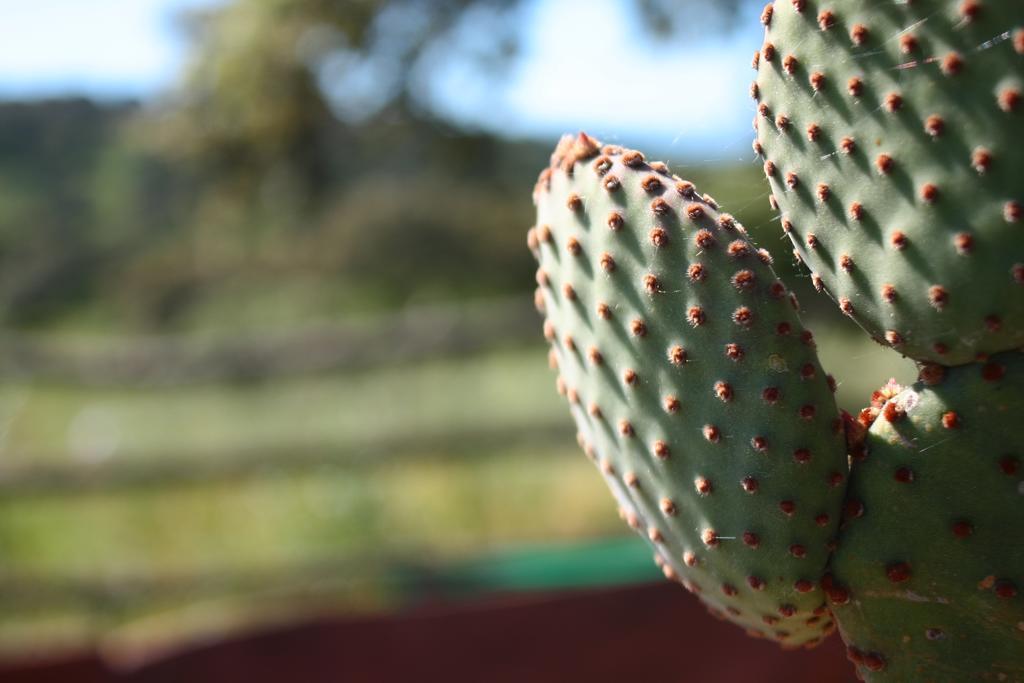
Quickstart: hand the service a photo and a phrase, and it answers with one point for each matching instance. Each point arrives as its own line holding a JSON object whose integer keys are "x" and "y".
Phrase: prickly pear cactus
{"x": 891, "y": 137}
{"x": 694, "y": 387}
{"x": 927, "y": 578}
{"x": 890, "y": 133}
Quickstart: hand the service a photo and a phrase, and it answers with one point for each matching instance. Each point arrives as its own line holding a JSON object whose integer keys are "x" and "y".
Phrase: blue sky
{"x": 615, "y": 81}
{"x": 689, "y": 96}
{"x": 105, "y": 48}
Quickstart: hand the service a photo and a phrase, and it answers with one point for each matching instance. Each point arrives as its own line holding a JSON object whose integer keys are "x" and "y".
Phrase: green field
{"x": 122, "y": 508}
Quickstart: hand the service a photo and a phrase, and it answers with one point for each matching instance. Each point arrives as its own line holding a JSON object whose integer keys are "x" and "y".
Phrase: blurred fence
{"x": 173, "y": 469}
{"x": 403, "y": 337}
{"x": 355, "y": 464}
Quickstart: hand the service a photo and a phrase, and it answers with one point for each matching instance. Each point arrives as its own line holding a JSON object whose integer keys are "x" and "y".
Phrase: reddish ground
{"x": 644, "y": 633}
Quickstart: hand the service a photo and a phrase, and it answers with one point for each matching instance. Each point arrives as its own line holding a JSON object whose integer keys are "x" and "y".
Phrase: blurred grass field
{"x": 126, "y": 506}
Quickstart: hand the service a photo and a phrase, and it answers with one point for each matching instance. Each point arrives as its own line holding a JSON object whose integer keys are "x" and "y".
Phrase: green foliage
{"x": 99, "y": 229}
{"x": 285, "y": 100}
{"x": 76, "y": 193}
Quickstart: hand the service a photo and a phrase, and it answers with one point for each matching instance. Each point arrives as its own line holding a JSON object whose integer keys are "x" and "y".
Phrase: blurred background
{"x": 268, "y": 346}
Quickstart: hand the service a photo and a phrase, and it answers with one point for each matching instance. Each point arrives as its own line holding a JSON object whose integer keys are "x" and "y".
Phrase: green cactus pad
{"x": 694, "y": 387}
{"x": 928, "y": 580}
{"x": 891, "y": 133}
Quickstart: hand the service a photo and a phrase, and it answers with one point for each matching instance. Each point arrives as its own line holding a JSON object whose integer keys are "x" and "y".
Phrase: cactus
{"x": 926, "y": 578}
{"x": 890, "y": 137}
{"x": 693, "y": 384}
{"x": 887, "y": 132}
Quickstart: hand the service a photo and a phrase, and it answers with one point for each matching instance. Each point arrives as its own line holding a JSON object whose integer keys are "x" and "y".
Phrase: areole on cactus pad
{"x": 890, "y": 132}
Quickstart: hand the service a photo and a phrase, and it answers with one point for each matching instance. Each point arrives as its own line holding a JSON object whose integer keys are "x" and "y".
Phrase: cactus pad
{"x": 694, "y": 387}
{"x": 891, "y": 134}
{"x": 928, "y": 580}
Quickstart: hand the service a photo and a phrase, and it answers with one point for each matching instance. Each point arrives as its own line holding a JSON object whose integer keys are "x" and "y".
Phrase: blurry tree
{"x": 315, "y": 114}
{"x": 308, "y": 84}
{"x": 77, "y": 194}
{"x": 303, "y": 93}
{"x": 302, "y": 121}
{"x": 300, "y": 143}
{"x": 671, "y": 18}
